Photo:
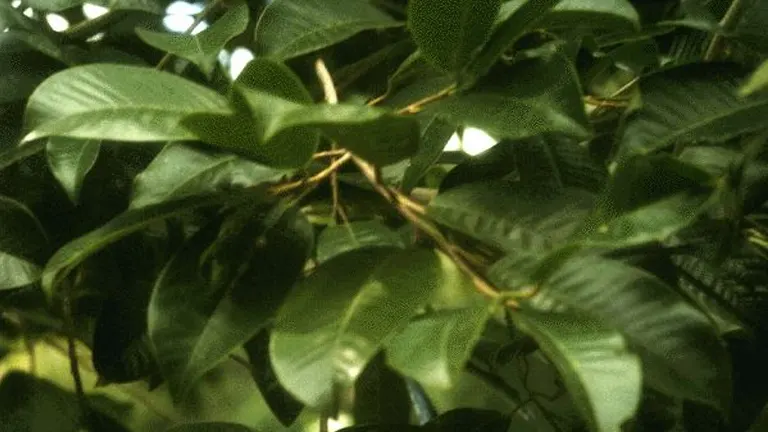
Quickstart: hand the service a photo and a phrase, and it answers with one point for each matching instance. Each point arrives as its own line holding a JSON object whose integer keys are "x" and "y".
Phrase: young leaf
{"x": 23, "y": 245}
{"x": 194, "y": 324}
{"x": 531, "y": 97}
{"x": 508, "y": 216}
{"x": 313, "y": 348}
{"x": 691, "y": 103}
{"x": 290, "y": 28}
{"x": 180, "y": 170}
{"x": 519, "y": 16}
{"x": 445, "y": 340}
{"x": 340, "y": 239}
{"x": 602, "y": 376}
{"x": 76, "y": 251}
{"x": 115, "y": 102}
{"x": 655, "y": 320}
{"x": 70, "y": 160}
{"x": 203, "y": 48}
{"x": 449, "y": 33}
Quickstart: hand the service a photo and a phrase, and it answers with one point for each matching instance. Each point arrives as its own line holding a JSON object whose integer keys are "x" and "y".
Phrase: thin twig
{"x": 74, "y": 365}
{"x": 328, "y": 153}
{"x": 198, "y": 19}
{"x": 729, "y": 21}
{"x": 419, "y": 104}
{"x": 315, "y": 179}
{"x": 89, "y": 27}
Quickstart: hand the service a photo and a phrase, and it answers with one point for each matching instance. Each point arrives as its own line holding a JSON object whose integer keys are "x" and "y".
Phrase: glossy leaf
{"x": 449, "y": 33}
{"x": 290, "y": 28}
{"x": 372, "y": 133}
{"x": 194, "y": 323}
{"x": 532, "y": 97}
{"x": 519, "y": 16}
{"x": 70, "y": 160}
{"x": 435, "y": 134}
{"x": 757, "y": 81}
{"x": 23, "y": 245}
{"x": 83, "y": 102}
{"x": 590, "y": 359}
{"x": 312, "y": 349}
{"x": 510, "y": 217}
{"x": 653, "y": 222}
{"x": 654, "y": 319}
{"x": 693, "y": 103}
{"x": 445, "y": 341}
{"x": 180, "y": 170}
{"x": 340, "y": 239}
{"x": 76, "y": 251}
{"x": 203, "y": 48}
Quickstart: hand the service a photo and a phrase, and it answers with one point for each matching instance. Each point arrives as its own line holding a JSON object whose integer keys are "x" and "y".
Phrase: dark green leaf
{"x": 154, "y": 6}
{"x": 449, "y": 33}
{"x": 655, "y": 320}
{"x": 76, "y": 251}
{"x": 30, "y": 404}
{"x": 17, "y": 154}
{"x": 312, "y": 348}
{"x": 24, "y": 63}
{"x": 435, "y": 134}
{"x": 530, "y": 98}
{"x": 445, "y": 341}
{"x": 181, "y": 170}
{"x": 519, "y": 16}
{"x": 691, "y": 103}
{"x": 592, "y": 13}
{"x": 23, "y": 245}
{"x": 203, "y": 48}
{"x": 469, "y": 420}
{"x": 374, "y": 134}
{"x": 210, "y": 427}
{"x": 289, "y": 28}
{"x": 339, "y": 239}
{"x": 508, "y": 216}
{"x": 194, "y": 324}
{"x": 70, "y": 160}
{"x": 590, "y": 359}
{"x": 115, "y": 102}
{"x": 284, "y": 406}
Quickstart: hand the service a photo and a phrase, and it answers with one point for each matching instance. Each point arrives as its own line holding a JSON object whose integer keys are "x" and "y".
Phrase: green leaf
{"x": 529, "y": 98}
{"x": 115, "y": 102}
{"x": 210, "y": 427}
{"x": 449, "y": 33}
{"x": 340, "y": 239}
{"x": 508, "y": 216}
{"x": 181, "y": 170}
{"x": 70, "y": 160}
{"x": 34, "y": 405}
{"x": 23, "y": 245}
{"x": 593, "y": 13}
{"x": 445, "y": 341}
{"x": 53, "y": 5}
{"x": 603, "y": 378}
{"x": 194, "y": 324}
{"x": 757, "y": 81}
{"x": 656, "y": 322}
{"x": 313, "y": 348}
{"x": 22, "y": 64}
{"x": 76, "y": 251}
{"x": 290, "y": 28}
{"x": 518, "y": 17}
{"x": 652, "y": 222}
{"x": 154, "y": 6}
{"x": 372, "y": 133}
{"x": 691, "y": 103}
{"x": 435, "y": 134}
{"x": 203, "y": 48}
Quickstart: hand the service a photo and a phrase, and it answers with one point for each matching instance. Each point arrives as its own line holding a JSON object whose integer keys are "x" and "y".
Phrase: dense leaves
{"x": 314, "y": 236}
